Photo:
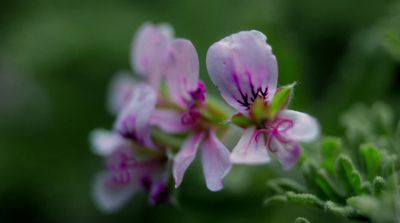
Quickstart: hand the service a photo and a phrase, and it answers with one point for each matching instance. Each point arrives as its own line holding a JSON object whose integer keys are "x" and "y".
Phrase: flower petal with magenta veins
{"x": 181, "y": 70}
{"x": 148, "y": 51}
{"x": 243, "y": 67}
{"x": 305, "y": 127}
{"x": 134, "y": 120}
{"x": 250, "y": 149}
{"x": 216, "y": 162}
{"x": 185, "y": 157}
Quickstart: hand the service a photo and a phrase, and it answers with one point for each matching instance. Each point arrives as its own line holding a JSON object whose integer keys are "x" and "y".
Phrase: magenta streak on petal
{"x": 259, "y": 92}
{"x": 279, "y": 127}
{"x": 244, "y": 101}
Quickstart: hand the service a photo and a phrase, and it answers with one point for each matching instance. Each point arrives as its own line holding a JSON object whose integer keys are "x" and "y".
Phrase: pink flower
{"x": 127, "y": 172}
{"x": 244, "y": 69}
{"x": 187, "y": 93}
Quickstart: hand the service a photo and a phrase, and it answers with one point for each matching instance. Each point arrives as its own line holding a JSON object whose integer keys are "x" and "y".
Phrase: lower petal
{"x": 250, "y": 149}
{"x": 288, "y": 153}
{"x": 305, "y": 128}
{"x": 185, "y": 157}
{"x": 216, "y": 162}
{"x": 110, "y": 196}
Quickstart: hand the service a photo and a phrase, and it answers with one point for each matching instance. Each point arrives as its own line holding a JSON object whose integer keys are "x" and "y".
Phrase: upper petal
{"x": 305, "y": 128}
{"x": 243, "y": 66}
{"x": 148, "y": 51}
{"x": 169, "y": 120}
{"x": 110, "y": 196}
{"x": 181, "y": 70}
{"x": 216, "y": 162}
{"x": 120, "y": 92}
{"x": 185, "y": 157}
{"x": 104, "y": 142}
{"x": 250, "y": 149}
{"x": 134, "y": 120}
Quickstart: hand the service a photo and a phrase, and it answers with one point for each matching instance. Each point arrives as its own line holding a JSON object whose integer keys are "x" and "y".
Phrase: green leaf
{"x": 275, "y": 199}
{"x": 309, "y": 199}
{"x": 379, "y": 184}
{"x": 301, "y": 220}
{"x": 365, "y": 204}
{"x": 319, "y": 181}
{"x": 372, "y": 159}
{"x": 390, "y": 166}
{"x": 280, "y": 101}
{"x": 348, "y": 175}
{"x": 241, "y": 120}
{"x": 331, "y": 147}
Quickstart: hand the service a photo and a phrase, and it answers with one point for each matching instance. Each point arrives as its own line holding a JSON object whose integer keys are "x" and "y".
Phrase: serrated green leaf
{"x": 309, "y": 199}
{"x": 280, "y": 101}
{"x": 348, "y": 175}
{"x": 318, "y": 181}
{"x": 372, "y": 159}
{"x": 331, "y": 147}
{"x": 365, "y": 204}
{"x": 241, "y": 120}
{"x": 275, "y": 199}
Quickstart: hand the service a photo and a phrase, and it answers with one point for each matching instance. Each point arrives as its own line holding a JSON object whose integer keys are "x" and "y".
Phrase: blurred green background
{"x": 57, "y": 57}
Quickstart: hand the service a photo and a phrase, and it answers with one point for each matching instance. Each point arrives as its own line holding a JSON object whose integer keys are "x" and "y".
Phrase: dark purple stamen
{"x": 159, "y": 194}
{"x": 146, "y": 182}
{"x": 199, "y": 95}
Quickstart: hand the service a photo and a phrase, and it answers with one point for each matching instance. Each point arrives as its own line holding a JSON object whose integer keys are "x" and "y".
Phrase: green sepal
{"x": 259, "y": 110}
{"x": 241, "y": 120}
{"x": 348, "y": 175}
{"x": 372, "y": 159}
{"x": 280, "y": 100}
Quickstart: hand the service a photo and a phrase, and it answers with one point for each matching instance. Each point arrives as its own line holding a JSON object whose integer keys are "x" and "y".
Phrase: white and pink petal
{"x": 216, "y": 162}
{"x": 251, "y": 148}
{"x": 181, "y": 70}
{"x": 148, "y": 51}
{"x": 185, "y": 157}
{"x": 305, "y": 127}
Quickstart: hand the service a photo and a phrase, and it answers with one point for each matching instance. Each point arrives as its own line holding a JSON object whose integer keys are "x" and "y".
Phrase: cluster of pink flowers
{"x": 169, "y": 101}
